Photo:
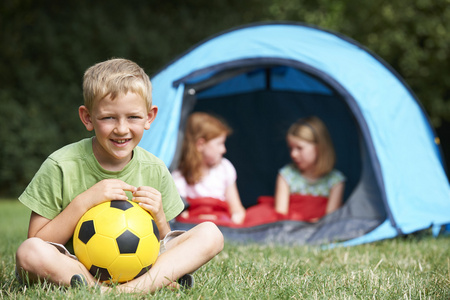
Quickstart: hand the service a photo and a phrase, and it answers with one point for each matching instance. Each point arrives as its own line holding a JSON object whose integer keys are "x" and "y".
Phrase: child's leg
{"x": 37, "y": 259}
{"x": 185, "y": 254}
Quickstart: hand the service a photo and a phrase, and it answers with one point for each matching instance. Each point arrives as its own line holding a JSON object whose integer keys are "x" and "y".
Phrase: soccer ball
{"x": 116, "y": 241}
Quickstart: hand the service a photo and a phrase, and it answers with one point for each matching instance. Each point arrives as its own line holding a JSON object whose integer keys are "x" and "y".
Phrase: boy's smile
{"x": 119, "y": 125}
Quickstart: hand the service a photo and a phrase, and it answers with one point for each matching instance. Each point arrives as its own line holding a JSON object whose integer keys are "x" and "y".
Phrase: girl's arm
{"x": 235, "y": 204}
{"x": 281, "y": 195}
{"x": 335, "y": 197}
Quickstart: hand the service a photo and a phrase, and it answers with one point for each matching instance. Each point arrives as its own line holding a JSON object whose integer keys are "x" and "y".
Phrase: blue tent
{"x": 261, "y": 78}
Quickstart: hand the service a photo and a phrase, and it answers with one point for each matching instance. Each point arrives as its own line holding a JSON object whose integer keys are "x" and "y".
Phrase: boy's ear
{"x": 85, "y": 117}
{"x": 151, "y": 115}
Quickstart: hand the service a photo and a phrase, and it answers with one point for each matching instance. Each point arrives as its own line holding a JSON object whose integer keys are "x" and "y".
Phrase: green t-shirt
{"x": 73, "y": 169}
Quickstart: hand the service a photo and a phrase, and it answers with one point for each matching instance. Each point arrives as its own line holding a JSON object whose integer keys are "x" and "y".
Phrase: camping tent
{"x": 261, "y": 78}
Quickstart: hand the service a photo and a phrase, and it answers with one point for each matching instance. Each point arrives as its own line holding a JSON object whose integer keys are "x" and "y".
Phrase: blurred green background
{"x": 47, "y": 45}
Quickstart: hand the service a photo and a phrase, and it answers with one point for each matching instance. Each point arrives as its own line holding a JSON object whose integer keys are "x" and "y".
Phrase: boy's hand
{"x": 107, "y": 190}
{"x": 150, "y": 199}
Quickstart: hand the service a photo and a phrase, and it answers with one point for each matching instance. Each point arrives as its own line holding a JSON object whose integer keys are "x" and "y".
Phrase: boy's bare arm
{"x": 61, "y": 228}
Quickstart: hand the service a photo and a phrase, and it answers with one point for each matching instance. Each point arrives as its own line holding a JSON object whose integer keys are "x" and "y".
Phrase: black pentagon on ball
{"x": 100, "y": 273}
{"x": 87, "y": 230}
{"x": 143, "y": 271}
{"x": 155, "y": 229}
{"x": 127, "y": 242}
{"x": 121, "y": 204}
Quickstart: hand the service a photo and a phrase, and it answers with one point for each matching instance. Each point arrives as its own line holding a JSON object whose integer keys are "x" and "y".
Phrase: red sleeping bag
{"x": 206, "y": 209}
{"x": 301, "y": 208}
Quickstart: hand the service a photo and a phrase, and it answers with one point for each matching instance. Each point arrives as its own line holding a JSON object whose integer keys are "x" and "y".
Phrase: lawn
{"x": 412, "y": 267}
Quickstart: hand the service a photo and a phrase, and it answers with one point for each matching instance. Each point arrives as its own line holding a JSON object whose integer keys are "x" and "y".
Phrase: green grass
{"x": 413, "y": 267}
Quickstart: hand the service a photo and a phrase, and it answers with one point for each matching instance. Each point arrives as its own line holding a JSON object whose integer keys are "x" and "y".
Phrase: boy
{"x": 118, "y": 108}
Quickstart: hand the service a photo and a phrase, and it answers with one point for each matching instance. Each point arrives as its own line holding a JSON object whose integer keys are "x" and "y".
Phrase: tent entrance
{"x": 260, "y": 102}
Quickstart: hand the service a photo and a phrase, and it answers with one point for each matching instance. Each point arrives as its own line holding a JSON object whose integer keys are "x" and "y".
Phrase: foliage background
{"x": 47, "y": 46}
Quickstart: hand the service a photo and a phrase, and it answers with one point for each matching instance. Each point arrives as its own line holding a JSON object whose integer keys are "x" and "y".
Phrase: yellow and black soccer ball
{"x": 116, "y": 241}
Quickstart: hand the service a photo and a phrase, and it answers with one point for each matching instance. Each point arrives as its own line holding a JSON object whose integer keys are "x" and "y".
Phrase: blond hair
{"x": 114, "y": 77}
{"x": 313, "y": 130}
{"x": 199, "y": 126}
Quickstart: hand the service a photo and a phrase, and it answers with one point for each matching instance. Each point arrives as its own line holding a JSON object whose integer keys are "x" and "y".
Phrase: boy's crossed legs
{"x": 184, "y": 254}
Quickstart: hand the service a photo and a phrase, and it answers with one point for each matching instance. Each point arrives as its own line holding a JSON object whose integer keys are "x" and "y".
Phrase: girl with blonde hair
{"x": 311, "y": 172}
